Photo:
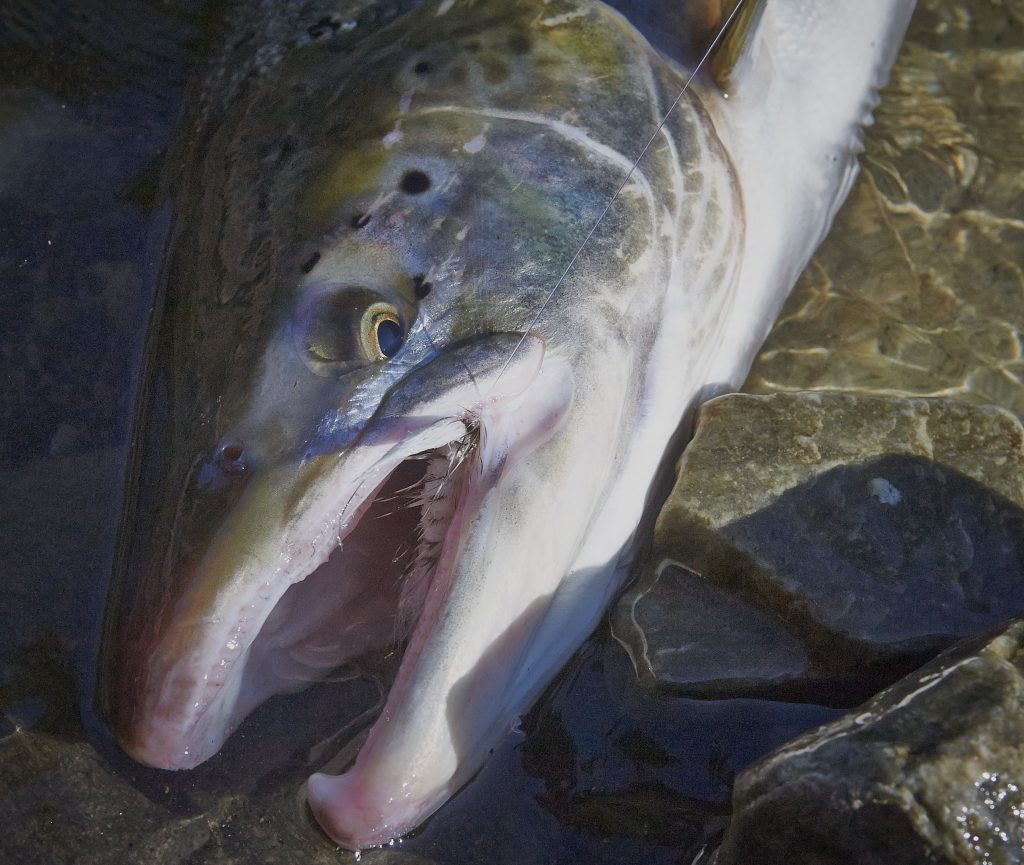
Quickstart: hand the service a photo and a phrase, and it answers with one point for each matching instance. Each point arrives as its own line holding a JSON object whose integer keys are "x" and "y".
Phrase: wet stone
{"x": 930, "y": 771}
{"x": 871, "y": 531}
{"x": 62, "y": 804}
{"x": 716, "y": 658}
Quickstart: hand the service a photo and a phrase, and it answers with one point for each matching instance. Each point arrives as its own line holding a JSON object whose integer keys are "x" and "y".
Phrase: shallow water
{"x": 599, "y": 771}
{"x": 918, "y": 290}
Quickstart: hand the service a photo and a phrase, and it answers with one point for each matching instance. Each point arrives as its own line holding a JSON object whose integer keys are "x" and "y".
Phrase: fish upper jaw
{"x": 461, "y": 682}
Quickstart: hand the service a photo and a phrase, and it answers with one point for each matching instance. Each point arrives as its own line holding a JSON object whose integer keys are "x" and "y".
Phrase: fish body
{"x": 437, "y": 298}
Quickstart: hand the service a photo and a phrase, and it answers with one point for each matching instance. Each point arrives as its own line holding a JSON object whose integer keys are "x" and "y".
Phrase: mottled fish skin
{"x": 447, "y": 161}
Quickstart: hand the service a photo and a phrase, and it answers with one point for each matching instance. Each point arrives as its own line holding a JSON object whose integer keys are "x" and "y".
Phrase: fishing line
{"x": 621, "y": 186}
{"x": 462, "y": 363}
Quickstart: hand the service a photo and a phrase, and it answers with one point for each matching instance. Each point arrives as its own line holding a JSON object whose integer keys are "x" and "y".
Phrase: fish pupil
{"x": 389, "y": 337}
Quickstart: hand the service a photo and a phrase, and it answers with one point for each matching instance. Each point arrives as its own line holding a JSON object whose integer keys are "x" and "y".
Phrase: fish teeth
{"x": 437, "y": 500}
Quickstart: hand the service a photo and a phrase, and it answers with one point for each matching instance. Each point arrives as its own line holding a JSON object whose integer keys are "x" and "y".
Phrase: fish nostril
{"x": 231, "y": 458}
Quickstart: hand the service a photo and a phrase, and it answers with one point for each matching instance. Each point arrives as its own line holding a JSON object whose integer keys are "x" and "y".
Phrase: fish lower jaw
{"x": 357, "y": 812}
{"x": 171, "y": 759}
{"x": 444, "y": 710}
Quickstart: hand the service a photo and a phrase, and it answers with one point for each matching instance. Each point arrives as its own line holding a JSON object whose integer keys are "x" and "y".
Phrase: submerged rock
{"x": 828, "y": 538}
{"x": 930, "y": 771}
{"x": 729, "y": 648}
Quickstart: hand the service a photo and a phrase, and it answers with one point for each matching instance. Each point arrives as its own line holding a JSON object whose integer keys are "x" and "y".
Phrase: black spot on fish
{"x": 359, "y": 220}
{"x": 420, "y": 286}
{"x": 414, "y": 182}
{"x": 311, "y": 263}
{"x": 424, "y": 67}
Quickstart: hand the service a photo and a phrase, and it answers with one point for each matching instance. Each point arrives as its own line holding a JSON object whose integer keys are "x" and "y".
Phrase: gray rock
{"x": 715, "y": 658}
{"x": 874, "y": 530}
{"x": 930, "y": 771}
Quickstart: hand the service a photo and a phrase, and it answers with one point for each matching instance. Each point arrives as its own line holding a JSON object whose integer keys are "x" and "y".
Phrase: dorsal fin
{"x": 708, "y": 17}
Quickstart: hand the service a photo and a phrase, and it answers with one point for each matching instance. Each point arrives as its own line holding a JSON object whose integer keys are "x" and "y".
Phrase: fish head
{"x": 390, "y": 395}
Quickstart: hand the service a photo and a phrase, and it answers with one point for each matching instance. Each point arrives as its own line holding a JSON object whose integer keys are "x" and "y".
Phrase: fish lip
{"x": 184, "y": 715}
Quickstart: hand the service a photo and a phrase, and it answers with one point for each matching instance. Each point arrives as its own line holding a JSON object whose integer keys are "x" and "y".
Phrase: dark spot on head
{"x": 311, "y": 263}
{"x": 473, "y": 46}
{"x": 360, "y": 219}
{"x": 420, "y": 286}
{"x": 423, "y": 68}
{"x": 518, "y": 43}
{"x": 415, "y": 182}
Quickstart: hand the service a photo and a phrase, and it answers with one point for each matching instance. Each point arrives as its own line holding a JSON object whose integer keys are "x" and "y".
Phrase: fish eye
{"x": 382, "y": 332}
{"x": 349, "y": 327}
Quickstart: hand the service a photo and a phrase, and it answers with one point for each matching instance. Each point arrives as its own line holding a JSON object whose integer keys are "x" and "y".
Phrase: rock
{"x": 614, "y": 762}
{"x": 715, "y": 657}
{"x": 61, "y": 804}
{"x": 930, "y": 771}
{"x": 875, "y": 531}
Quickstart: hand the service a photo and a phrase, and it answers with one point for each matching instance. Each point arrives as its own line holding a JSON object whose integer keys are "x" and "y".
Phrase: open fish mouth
{"x": 343, "y": 554}
{"x": 353, "y": 576}
{"x": 370, "y": 590}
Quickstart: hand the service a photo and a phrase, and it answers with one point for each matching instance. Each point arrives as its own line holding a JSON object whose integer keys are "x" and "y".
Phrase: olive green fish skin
{"x": 522, "y": 151}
